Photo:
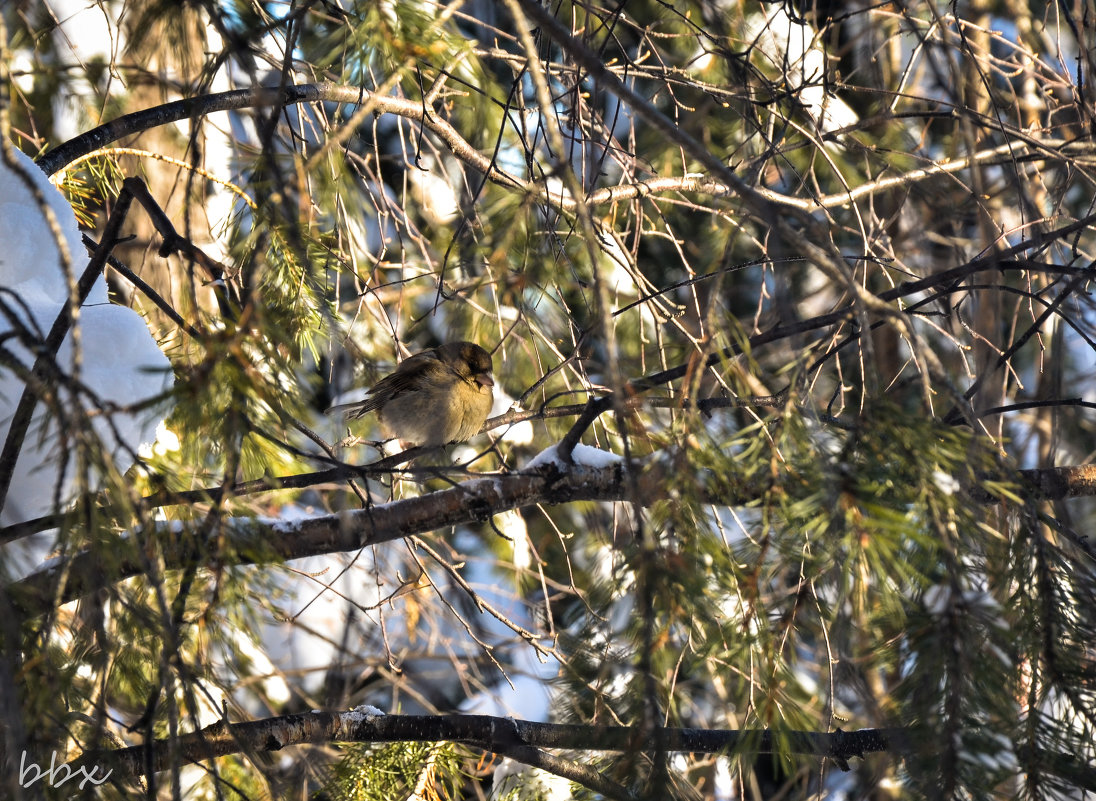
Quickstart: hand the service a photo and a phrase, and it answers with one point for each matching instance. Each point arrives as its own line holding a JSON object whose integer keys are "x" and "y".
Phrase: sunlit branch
{"x": 262, "y": 541}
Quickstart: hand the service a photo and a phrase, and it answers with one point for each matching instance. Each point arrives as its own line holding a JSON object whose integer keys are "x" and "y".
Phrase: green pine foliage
{"x": 432, "y": 772}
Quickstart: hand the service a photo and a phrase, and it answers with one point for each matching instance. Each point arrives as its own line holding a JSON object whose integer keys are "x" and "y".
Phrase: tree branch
{"x": 257, "y": 97}
{"x": 262, "y": 541}
{"x": 513, "y": 738}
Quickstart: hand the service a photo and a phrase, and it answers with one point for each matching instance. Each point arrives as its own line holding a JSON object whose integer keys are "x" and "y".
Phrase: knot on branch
{"x": 847, "y": 744}
{"x": 480, "y": 508}
{"x": 504, "y": 735}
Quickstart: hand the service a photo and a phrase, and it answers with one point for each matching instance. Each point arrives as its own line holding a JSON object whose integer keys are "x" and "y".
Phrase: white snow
{"x": 582, "y": 455}
{"x": 594, "y": 457}
{"x": 945, "y": 482}
{"x": 513, "y": 780}
{"x": 517, "y": 433}
{"x": 316, "y": 606}
{"x": 512, "y": 524}
{"x": 433, "y": 191}
{"x": 119, "y": 360}
{"x": 792, "y": 47}
{"x": 362, "y": 712}
{"x": 167, "y": 441}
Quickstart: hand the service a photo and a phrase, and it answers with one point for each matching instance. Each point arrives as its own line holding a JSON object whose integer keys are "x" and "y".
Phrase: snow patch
{"x": 120, "y": 362}
{"x": 582, "y": 455}
{"x": 363, "y": 712}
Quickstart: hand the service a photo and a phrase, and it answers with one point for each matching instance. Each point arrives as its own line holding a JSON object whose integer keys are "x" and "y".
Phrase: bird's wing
{"x": 353, "y": 409}
{"x": 407, "y": 376}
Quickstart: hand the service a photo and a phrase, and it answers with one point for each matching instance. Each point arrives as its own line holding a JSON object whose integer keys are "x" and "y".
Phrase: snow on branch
{"x": 592, "y": 476}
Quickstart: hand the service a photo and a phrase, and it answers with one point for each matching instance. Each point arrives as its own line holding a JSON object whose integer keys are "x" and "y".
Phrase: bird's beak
{"x": 485, "y": 379}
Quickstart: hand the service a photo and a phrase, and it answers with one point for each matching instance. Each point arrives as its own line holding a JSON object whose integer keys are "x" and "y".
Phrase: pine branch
{"x": 506, "y": 736}
{"x": 261, "y": 541}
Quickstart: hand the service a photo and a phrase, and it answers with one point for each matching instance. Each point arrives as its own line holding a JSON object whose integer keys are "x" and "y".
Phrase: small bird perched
{"x": 439, "y": 396}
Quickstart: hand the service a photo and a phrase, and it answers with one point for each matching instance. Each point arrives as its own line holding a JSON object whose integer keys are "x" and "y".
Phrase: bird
{"x": 437, "y": 397}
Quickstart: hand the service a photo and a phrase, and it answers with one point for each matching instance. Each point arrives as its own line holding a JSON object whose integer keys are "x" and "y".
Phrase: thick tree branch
{"x": 190, "y": 108}
{"x": 255, "y": 541}
{"x": 499, "y": 735}
{"x": 521, "y": 740}
{"x": 262, "y": 541}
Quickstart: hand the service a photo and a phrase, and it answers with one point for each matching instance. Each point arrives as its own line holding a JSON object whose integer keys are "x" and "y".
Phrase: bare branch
{"x": 506, "y": 736}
